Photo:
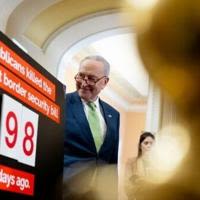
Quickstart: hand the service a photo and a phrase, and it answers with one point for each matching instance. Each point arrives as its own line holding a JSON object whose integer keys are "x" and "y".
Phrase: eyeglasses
{"x": 91, "y": 80}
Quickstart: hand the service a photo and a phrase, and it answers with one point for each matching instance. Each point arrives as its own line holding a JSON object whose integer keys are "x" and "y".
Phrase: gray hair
{"x": 100, "y": 59}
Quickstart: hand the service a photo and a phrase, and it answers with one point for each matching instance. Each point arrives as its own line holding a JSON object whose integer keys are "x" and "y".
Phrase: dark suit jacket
{"x": 79, "y": 145}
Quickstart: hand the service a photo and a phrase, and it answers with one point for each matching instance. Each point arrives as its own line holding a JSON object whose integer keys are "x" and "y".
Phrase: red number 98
{"x": 12, "y": 129}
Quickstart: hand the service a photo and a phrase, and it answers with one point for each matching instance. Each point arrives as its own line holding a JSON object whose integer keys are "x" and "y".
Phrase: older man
{"x": 91, "y": 125}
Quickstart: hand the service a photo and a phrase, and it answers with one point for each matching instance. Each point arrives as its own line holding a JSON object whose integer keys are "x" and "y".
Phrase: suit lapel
{"x": 110, "y": 136}
{"x": 79, "y": 114}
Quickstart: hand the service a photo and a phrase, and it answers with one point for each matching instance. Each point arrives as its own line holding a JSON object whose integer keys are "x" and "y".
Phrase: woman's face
{"x": 147, "y": 144}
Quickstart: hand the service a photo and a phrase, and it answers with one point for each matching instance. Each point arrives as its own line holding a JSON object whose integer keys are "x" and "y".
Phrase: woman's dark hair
{"x": 142, "y": 138}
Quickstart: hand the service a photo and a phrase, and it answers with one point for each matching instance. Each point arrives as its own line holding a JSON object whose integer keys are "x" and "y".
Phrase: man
{"x": 89, "y": 141}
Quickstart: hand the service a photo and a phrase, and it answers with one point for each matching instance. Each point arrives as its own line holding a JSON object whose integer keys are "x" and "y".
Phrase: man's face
{"x": 90, "y": 71}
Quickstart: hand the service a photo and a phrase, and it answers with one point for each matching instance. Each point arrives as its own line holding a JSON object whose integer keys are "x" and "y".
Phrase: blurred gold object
{"x": 170, "y": 49}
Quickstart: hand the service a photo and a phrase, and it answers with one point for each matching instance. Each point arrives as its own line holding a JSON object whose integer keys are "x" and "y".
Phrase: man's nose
{"x": 84, "y": 82}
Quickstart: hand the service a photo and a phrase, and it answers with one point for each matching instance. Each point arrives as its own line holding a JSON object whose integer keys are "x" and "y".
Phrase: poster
{"x": 31, "y": 127}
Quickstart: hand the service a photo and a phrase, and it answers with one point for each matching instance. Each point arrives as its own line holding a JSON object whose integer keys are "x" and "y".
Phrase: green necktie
{"x": 94, "y": 123}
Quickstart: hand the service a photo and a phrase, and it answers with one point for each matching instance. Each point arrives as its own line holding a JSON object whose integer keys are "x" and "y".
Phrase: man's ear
{"x": 106, "y": 80}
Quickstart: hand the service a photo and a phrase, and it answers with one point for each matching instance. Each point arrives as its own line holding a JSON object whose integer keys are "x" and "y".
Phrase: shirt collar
{"x": 96, "y": 102}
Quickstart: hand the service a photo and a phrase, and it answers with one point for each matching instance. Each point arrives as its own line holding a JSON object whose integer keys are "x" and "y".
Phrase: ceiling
{"x": 58, "y": 33}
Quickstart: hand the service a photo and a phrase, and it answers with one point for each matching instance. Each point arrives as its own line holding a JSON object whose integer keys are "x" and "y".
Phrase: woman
{"x": 139, "y": 168}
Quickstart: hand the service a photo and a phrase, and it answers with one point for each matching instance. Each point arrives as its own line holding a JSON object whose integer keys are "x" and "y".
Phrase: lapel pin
{"x": 109, "y": 116}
